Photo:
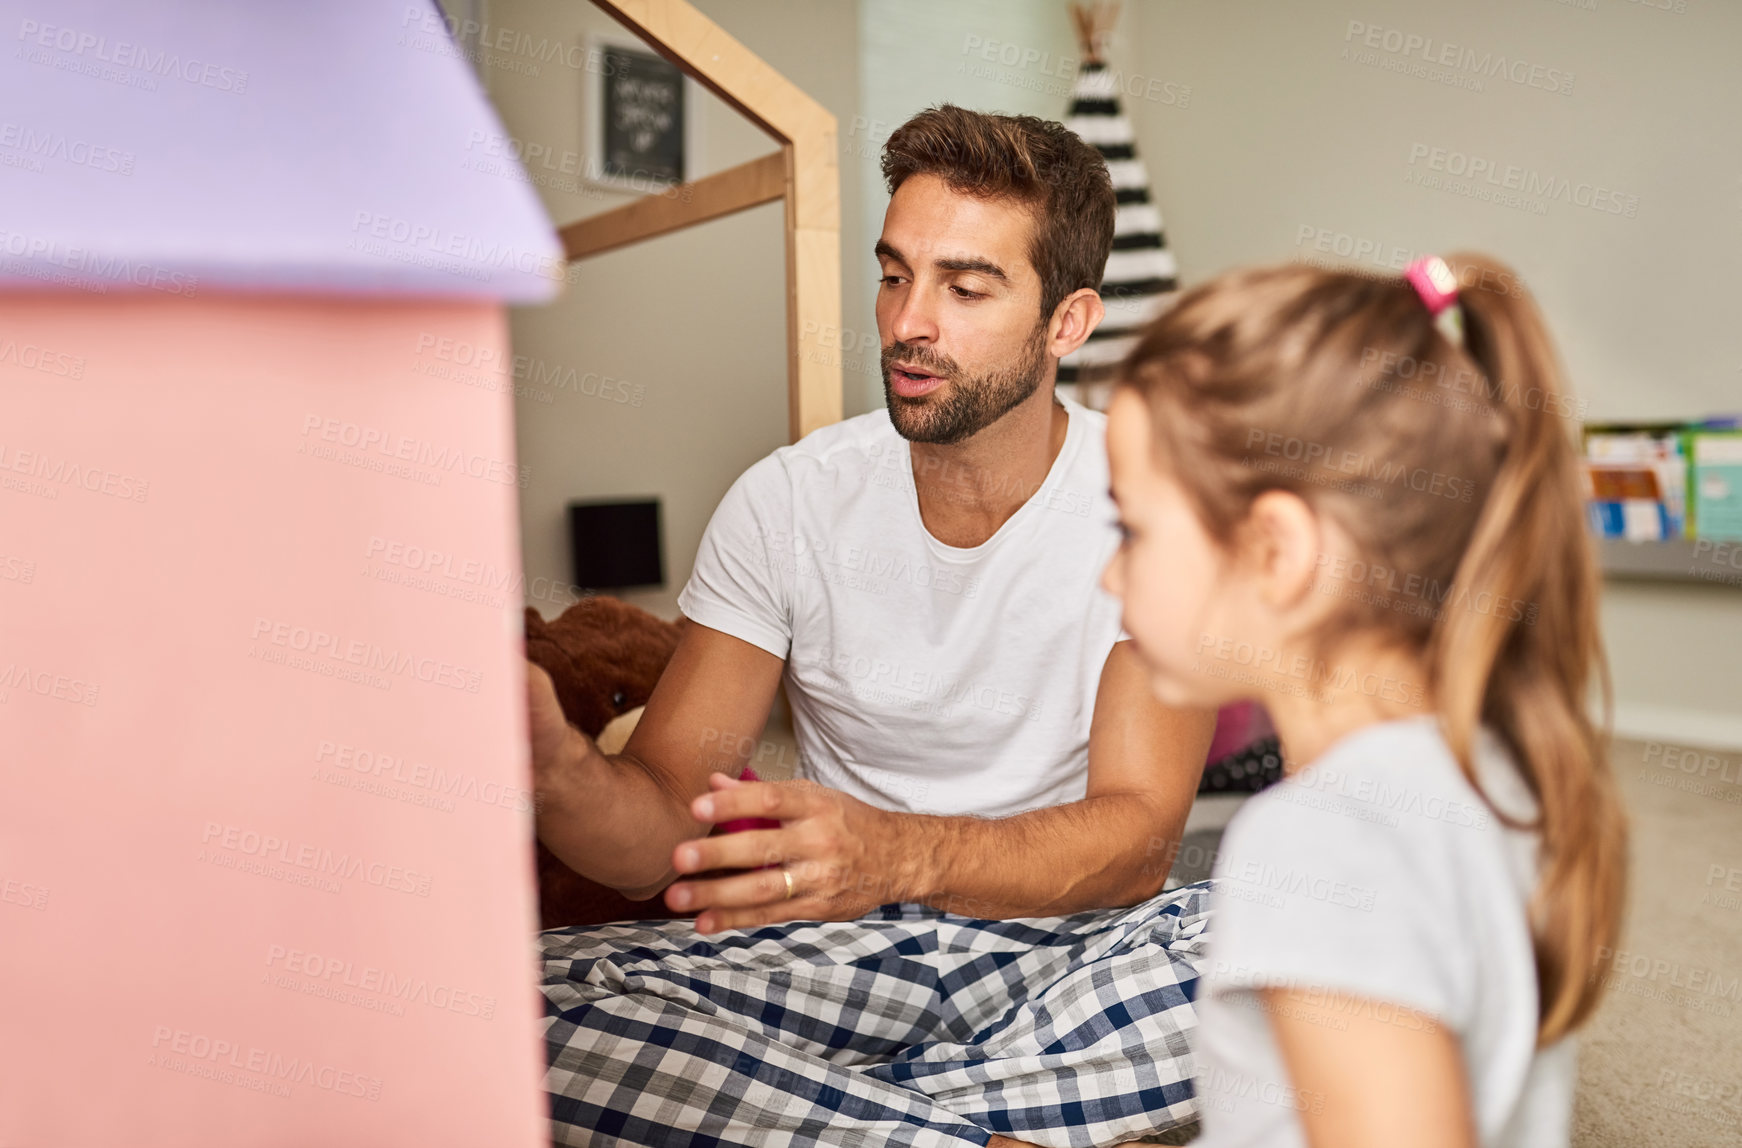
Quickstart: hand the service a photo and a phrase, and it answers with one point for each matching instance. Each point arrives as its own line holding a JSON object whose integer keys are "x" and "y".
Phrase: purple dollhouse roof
{"x": 330, "y": 146}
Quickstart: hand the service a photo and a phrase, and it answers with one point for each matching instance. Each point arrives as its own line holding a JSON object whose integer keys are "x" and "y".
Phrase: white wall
{"x": 1284, "y": 135}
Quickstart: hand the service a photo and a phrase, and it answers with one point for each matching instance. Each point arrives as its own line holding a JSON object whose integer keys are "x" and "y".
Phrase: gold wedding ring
{"x": 787, "y": 873}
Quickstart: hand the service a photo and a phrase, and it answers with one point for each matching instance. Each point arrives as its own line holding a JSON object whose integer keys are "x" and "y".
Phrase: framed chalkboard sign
{"x": 641, "y": 117}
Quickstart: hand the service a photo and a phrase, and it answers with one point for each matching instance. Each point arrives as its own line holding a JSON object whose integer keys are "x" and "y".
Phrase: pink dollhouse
{"x": 264, "y": 820}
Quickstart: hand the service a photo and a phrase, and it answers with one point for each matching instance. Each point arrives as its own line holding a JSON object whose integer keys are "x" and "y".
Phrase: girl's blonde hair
{"x": 1454, "y": 467}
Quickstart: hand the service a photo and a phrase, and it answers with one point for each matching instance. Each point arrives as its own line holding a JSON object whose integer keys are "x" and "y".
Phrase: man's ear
{"x": 1285, "y": 539}
{"x": 1073, "y": 321}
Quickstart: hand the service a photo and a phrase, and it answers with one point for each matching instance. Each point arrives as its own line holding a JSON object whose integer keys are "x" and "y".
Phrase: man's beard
{"x": 967, "y": 405}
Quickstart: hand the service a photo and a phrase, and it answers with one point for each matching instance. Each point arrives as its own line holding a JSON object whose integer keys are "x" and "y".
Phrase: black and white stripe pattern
{"x": 1141, "y": 278}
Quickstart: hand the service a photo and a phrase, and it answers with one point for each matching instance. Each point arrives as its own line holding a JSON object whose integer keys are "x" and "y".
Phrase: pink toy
{"x": 740, "y": 824}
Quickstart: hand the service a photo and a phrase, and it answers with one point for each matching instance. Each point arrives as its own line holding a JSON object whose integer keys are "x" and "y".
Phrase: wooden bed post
{"x": 805, "y": 172}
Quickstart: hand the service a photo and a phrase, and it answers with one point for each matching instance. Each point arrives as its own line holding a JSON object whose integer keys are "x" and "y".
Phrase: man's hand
{"x": 615, "y": 818}
{"x": 845, "y": 857}
{"x": 554, "y": 741}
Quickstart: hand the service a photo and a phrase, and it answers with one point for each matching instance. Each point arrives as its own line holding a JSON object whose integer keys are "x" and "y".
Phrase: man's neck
{"x": 967, "y": 490}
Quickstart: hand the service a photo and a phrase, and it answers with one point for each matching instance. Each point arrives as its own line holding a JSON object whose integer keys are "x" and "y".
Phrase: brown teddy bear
{"x": 604, "y": 656}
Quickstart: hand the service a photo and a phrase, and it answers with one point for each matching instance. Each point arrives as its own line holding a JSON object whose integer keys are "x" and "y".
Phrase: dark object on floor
{"x": 1197, "y": 856}
{"x": 1245, "y": 771}
{"x": 1244, "y": 755}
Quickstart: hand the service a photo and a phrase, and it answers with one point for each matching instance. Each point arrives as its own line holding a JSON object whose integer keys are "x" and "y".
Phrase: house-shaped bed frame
{"x": 805, "y": 173}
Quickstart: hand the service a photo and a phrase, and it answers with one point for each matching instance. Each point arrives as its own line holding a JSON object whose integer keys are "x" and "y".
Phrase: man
{"x": 988, "y": 792}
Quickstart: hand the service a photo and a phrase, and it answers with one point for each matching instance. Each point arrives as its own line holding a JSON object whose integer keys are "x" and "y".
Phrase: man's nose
{"x": 913, "y": 321}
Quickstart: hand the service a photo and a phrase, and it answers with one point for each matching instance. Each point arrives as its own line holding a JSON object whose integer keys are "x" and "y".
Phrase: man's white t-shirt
{"x": 923, "y": 678}
{"x": 1379, "y": 873}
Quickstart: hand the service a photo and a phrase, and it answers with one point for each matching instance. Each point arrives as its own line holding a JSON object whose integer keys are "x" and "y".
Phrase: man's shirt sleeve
{"x": 741, "y": 583}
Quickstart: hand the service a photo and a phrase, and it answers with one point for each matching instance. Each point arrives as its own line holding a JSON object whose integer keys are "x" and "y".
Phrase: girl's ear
{"x": 1283, "y": 539}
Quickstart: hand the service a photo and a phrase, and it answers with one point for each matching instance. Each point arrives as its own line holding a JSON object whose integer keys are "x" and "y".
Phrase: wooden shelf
{"x": 1675, "y": 560}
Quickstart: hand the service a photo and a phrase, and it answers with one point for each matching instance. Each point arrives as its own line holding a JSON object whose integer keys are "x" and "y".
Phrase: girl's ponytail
{"x": 1521, "y": 662}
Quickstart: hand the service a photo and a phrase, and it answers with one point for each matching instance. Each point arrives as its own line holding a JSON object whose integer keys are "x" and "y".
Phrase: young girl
{"x": 1356, "y": 499}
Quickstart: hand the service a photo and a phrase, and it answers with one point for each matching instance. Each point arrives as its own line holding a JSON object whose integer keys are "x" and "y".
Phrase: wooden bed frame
{"x": 805, "y": 173}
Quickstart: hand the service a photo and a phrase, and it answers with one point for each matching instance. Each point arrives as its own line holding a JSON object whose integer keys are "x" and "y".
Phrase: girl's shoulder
{"x": 1378, "y": 871}
{"x": 1403, "y": 773}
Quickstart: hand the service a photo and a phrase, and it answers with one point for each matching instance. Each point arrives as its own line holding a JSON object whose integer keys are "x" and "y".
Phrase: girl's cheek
{"x": 1152, "y": 602}
{"x": 1113, "y": 577}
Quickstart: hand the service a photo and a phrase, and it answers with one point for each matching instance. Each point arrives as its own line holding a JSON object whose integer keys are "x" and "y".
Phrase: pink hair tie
{"x": 1438, "y": 288}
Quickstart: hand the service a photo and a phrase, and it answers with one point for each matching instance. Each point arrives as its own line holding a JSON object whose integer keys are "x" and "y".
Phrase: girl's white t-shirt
{"x": 923, "y": 678}
{"x": 1380, "y": 874}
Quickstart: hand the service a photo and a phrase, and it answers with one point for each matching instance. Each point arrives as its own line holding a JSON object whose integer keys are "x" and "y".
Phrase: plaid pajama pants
{"x": 907, "y": 1026}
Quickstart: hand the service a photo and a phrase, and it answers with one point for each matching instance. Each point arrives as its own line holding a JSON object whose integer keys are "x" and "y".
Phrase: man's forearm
{"x": 613, "y": 818}
{"x": 1101, "y": 852}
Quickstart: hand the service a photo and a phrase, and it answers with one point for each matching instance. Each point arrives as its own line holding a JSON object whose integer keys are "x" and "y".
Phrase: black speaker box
{"x": 617, "y": 545}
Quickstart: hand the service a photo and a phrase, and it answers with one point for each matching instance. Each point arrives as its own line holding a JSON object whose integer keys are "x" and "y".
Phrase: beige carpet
{"x": 1661, "y": 1064}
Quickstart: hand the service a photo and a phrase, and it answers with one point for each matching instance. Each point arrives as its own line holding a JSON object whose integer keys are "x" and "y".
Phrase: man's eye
{"x": 1126, "y": 534}
{"x": 964, "y": 293}
{"x": 891, "y": 280}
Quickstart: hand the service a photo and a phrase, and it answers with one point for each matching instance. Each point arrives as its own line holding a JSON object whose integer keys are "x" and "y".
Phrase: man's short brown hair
{"x": 1040, "y": 164}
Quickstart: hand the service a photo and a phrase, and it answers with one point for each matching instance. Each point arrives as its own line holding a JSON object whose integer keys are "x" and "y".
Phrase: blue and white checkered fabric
{"x": 908, "y": 1026}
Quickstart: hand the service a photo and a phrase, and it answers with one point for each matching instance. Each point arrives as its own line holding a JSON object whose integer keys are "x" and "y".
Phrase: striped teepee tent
{"x": 1141, "y": 278}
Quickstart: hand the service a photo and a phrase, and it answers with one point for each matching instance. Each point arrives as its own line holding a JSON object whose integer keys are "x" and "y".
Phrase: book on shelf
{"x": 1654, "y": 482}
{"x": 1715, "y": 485}
{"x": 1636, "y": 482}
